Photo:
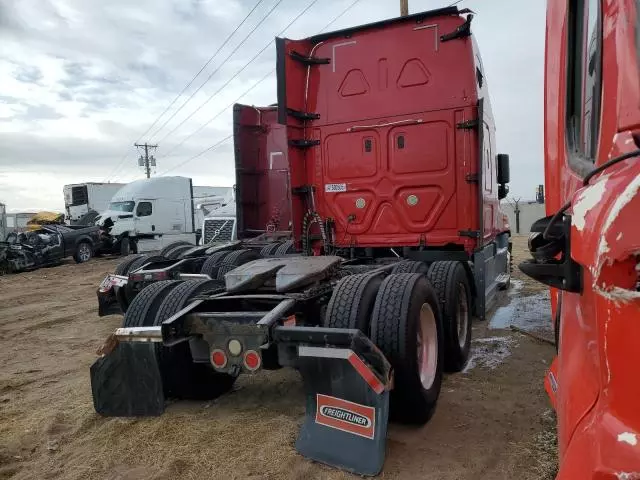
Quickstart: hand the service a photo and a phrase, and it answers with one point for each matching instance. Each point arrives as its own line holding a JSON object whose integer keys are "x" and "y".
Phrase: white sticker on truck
{"x": 335, "y": 187}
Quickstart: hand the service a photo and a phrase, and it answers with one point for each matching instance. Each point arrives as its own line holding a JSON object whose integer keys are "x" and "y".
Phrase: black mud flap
{"x": 107, "y": 304}
{"x": 346, "y": 381}
{"x": 127, "y": 382}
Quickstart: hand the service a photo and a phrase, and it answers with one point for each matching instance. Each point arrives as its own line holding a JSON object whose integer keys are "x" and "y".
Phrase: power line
{"x": 239, "y": 71}
{"x": 198, "y": 155}
{"x": 202, "y": 69}
{"x": 204, "y": 125}
{"x": 124, "y": 157}
{"x": 353, "y": 4}
{"x": 335, "y": 19}
{"x": 211, "y": 75}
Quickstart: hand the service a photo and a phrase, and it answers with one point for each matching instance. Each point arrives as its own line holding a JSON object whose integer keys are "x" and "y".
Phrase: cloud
{"x": 83, "y": 81}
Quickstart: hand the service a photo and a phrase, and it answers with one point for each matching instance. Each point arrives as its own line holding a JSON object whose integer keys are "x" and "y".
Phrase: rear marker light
{"x": 218, "y": 359}
{"x": 252, "y": 360}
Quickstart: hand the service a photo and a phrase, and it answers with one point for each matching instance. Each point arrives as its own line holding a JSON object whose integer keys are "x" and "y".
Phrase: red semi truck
{"x": 588, "y": 247}
{"x": 392, "y": 192}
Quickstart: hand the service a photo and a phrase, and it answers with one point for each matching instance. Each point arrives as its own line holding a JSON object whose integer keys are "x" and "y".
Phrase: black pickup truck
{"x": 47, "y": 246}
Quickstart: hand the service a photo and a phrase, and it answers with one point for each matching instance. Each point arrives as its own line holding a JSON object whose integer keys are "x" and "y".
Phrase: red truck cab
{"x": 391, "y": 142}
{"x": 587, "y": 249}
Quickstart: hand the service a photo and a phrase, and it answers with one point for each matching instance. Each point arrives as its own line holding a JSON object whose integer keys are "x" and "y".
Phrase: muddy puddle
{"x": 529, "y": 312}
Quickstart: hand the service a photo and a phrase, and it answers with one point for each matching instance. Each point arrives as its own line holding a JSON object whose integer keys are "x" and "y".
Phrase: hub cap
{"x": 84, "y": 253}
{"x": 427, "y": 346}
{"x": 462, "y": 315}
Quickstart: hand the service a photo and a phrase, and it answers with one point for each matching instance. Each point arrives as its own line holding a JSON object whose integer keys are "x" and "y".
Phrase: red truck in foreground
{"x": 588, "y": 248}
{"x": 391, "y": 187}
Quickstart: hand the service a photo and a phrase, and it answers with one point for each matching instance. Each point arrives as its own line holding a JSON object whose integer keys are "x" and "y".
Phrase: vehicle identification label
{"x": 335, "y": 187}
{"x": 346, "y": 416}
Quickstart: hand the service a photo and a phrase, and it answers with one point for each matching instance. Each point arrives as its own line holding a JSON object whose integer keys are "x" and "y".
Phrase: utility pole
{"x": 515, "y": 202}
{"x": 146, "y": 161}
{"x": 404, "y": 8}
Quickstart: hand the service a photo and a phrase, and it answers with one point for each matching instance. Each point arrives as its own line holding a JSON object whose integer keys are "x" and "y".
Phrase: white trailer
{"x": 84, "y": 201}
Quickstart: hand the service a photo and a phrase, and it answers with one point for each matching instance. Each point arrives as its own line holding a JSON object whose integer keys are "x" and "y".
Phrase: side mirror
{"x": 503, "y": 168}
{"x": 503, "y": 190}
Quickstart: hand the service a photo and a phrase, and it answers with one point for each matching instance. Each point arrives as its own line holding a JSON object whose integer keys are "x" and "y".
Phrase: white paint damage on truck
{"x": 628, "y": 437}
{"x": 588, "y": 199}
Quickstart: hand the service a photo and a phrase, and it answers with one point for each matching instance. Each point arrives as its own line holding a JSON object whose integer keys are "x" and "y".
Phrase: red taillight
{"x": 252, "y": 360}
{"x": 148, "y": 276}
{"x": 218, "y": 359}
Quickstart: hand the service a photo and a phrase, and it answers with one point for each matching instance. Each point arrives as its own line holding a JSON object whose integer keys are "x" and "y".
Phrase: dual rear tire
{"x": 401, "y": 316}
{"x": 420, "y": 318}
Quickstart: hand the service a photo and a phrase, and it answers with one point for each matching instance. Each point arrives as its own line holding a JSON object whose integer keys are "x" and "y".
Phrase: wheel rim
{"x": 84, "y": 253}
{"x": 427, "y": 346}
{"x": 462, "y": 315}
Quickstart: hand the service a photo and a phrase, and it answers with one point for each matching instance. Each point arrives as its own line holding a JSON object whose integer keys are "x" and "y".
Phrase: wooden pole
{"x": 404, "y": 8}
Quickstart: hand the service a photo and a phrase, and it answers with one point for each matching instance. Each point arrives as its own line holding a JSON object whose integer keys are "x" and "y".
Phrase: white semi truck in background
{"x": 83, "y": 202}
{"x": 148, "y": 214}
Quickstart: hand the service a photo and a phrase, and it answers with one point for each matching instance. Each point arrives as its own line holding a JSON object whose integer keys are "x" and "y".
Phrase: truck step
{"x": 503, "y": 280}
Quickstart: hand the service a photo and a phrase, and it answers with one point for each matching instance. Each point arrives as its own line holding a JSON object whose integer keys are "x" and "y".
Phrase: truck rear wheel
{"x": 409, "y": 266}
{"x": 235, "y": 259}
{"x": 211, "y": 264}
{"x": 123, "y": 267}
{"x": 171, "y": 246}
{"x": 181, "y": 377}
{"x": 407, "y": 327}
{"x": 125, "y": 247}
{"x": 143, "y": 309}
{"x": 270, "y": 249}
{"x": 126, "y": 294}
{"x": 175, "y": 252}
{"x": 454, "y": 294}
{"x": 285, "y": 249}
{"x": 352, "y": 302}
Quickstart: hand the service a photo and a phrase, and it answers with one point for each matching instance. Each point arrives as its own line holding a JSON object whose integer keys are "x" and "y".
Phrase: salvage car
{"x": 47, "y": 246}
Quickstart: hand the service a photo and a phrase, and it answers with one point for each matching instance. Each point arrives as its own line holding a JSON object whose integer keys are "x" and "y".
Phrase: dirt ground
{"x": 492, "y": 421}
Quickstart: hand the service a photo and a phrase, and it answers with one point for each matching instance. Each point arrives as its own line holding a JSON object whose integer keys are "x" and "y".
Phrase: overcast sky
{"x": 81, "y": 80}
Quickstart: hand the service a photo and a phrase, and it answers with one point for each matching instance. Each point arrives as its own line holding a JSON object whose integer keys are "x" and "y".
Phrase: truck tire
{"x": 128, "y": 295}
{"x": 285, "y": 249}
{"x": 171, "y": 246}
{"x": 235, "y": 259}
{"x": 83, "y": 252}
{"x": 454, "y": 294}
{"x": 123, "y": 267}
{"x": 409, "y": 266}
{"x": 175, "y": 253}
{"x": 407, "y": 327}
{"x": 352, "y": 302}
{"x": 88, "y": 219}
{"x": 270, "y": 249}
{"x": 143, "y": 309}
{"x": 181, "y": 377}
{"x": 211, "y": 264}
{"x": 125, "y": 247}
